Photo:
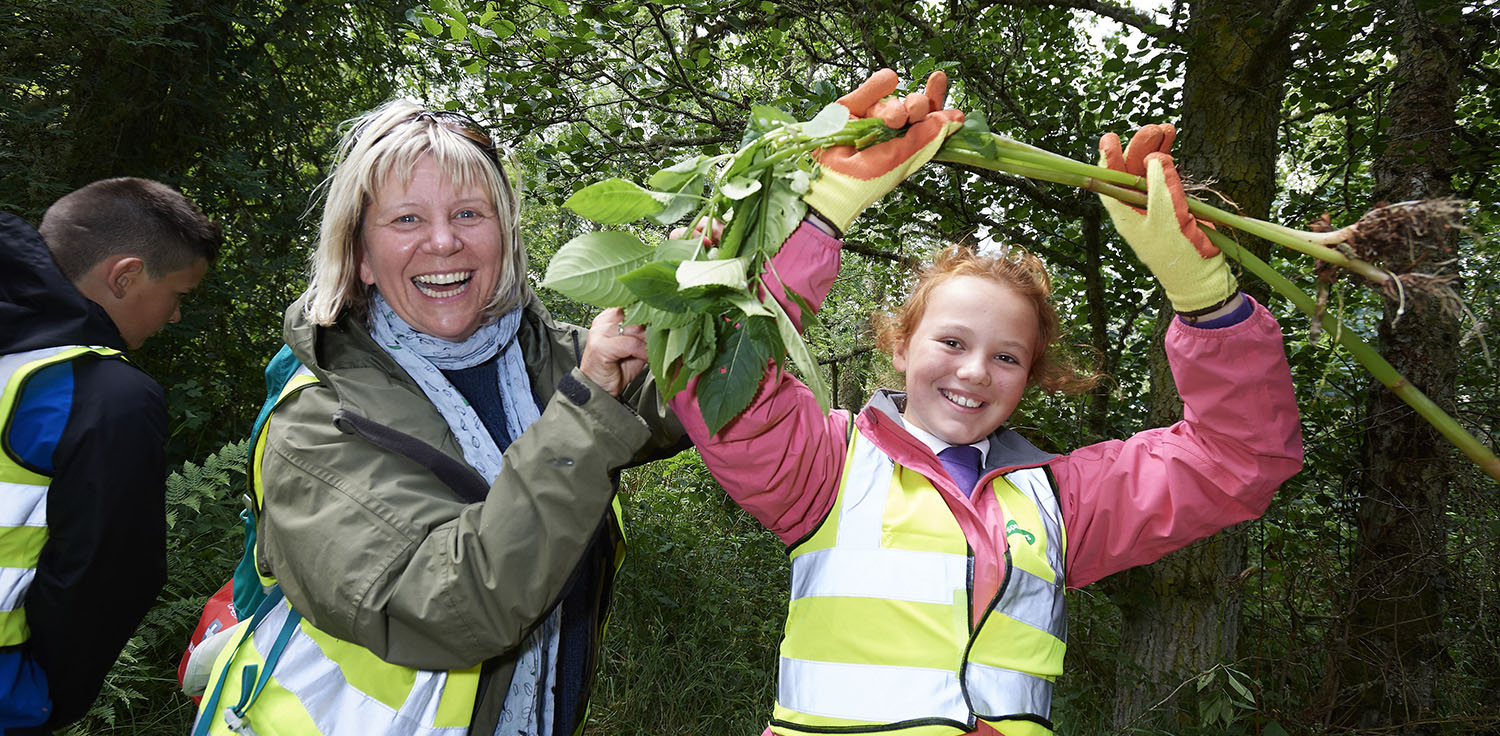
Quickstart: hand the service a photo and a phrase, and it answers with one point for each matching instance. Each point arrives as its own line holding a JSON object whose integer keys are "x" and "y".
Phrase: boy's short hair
{"x": 128, "y": 216}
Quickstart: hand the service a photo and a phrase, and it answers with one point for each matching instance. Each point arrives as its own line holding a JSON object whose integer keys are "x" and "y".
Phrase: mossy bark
{"x": 1238, "y": 56}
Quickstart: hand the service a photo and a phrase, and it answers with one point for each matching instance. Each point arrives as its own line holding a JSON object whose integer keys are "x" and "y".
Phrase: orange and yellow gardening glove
{"x": 1166, "y": 236}
{"x": 850, "y": 180}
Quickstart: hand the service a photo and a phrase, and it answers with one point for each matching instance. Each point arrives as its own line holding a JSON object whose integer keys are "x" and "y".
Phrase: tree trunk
{"x": 1392, "y": 655}
{"x": 1238, "y": 58}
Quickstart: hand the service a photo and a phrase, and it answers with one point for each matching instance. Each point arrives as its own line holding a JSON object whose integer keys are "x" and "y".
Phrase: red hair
{"x": 1016, "y": 270}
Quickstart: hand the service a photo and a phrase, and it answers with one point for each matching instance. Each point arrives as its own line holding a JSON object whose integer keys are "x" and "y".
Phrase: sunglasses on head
{"x": 455, "y": 121}
{"x": 461, "y": 124}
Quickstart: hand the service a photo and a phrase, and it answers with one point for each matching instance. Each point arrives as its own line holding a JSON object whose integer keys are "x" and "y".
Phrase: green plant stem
{"x": 1035, "y": 163}
{"x": 1367, "y": 356}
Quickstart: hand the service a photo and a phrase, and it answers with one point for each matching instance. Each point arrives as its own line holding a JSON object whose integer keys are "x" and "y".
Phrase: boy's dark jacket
{"x": 105, "y": 558}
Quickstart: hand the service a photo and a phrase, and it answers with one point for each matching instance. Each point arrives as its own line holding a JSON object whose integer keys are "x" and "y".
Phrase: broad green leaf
{"x": 677, "y": 250}
{"x": 458, "y": 25}
{"x": 656, "y": 284}
{"x": 656, "y": 350}
{"x": 704, "y": 348}
{"x": 781, "y": 211}
{"x": 729, "y": 273}
{"x": 741, "y": 221}
{"x": 587, "y": 268}
{"x": 739, "y": 187}
{"x": 764, "y": 119}
{"x": 750, "y": 305}
{"x": 730, "y": 382}
{"x": 678, "y": 340}
{"x": 614, "y": 202}
{"x": 641, "y": 313}
{"x": 830, "y": 120}
{"x": 796, "y": 347}
{"x": 679, "y": 204}
{"x": 675, "y": 177}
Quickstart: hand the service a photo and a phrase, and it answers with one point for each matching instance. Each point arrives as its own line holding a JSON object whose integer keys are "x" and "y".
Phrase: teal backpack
{"x": 248, "y": 593}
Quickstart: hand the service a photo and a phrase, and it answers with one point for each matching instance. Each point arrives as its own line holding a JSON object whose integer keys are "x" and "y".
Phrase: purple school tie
{"x": 962, "y": 464}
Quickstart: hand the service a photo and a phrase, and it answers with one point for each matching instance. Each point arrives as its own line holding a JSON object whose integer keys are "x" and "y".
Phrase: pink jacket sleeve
{"x": 789, "y": 486}
{"x": 1128, "y": 503}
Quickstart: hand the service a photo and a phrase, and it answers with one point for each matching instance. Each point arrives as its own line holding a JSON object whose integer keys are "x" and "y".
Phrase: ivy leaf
{"x": 615, "y": 202}
{"x": 587, "y": 268}
{"x": 830, "y": 120}
{"x": 730, "y": 382}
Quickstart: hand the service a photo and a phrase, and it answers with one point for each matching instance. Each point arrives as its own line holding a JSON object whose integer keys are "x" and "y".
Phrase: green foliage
{"x": 236, "y": 104}
{"x": 698, "y": 611}
{"x": 757, "y": 191}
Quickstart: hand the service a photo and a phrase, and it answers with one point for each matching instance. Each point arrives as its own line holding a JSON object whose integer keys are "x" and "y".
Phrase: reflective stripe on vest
{"x": 878, "y": 634}
{"x": 23, "y": 492}
{"x": 322, "y": 685}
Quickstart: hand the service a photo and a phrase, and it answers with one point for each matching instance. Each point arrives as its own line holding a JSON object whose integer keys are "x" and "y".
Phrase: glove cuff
{"x": 1200, "y": 293}
{"x": 839, "y": 198}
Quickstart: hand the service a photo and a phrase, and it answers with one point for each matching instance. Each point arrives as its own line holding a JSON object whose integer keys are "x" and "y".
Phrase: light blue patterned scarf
{"x": 529, "y": 703}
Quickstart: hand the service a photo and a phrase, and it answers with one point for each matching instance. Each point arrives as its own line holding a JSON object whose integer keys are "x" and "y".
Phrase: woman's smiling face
{"x": 433, "y": 249}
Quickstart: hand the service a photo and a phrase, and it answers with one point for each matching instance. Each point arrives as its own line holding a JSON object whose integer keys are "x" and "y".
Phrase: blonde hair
{"x": 1015, "y": 269}
{"x": 391, "y": 140}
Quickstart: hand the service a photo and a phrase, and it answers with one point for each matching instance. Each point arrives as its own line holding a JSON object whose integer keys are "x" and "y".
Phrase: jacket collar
{"x": 344, "y": 356}
{"x": 881, "y": 421}
{"x": 39, "y": 307}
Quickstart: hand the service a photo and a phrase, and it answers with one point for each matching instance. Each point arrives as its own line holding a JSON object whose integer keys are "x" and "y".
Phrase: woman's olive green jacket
{"x": 380, "y": 533}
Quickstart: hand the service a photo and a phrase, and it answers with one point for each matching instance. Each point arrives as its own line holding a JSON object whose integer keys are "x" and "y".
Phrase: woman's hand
{"x": 615, "y": 352}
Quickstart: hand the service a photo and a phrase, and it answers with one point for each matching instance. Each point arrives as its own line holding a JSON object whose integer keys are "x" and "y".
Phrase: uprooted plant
{"x": 707, "y": 314}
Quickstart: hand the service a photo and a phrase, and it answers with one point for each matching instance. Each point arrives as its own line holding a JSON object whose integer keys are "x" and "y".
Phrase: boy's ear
{"x": 123, "y": 272}
{"x": 898, "y": 356}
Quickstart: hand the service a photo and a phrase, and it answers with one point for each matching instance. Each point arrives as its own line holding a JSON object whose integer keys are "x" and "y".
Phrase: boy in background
{"x": 82, "y": 467}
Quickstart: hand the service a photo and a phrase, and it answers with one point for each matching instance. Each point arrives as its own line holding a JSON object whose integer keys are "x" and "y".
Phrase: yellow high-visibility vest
{"x": 23, "y": 491}
{"x": 879, "y": 636}
{"x": 319, "y": 684}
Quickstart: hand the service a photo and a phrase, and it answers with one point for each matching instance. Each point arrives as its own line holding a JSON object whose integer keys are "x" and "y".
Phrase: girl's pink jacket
{"x": 1124, "y": 503}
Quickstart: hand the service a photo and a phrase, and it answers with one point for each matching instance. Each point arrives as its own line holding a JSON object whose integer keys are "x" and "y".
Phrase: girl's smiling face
{"x": 434, "y": 250}
{"x": 969, "y": 358}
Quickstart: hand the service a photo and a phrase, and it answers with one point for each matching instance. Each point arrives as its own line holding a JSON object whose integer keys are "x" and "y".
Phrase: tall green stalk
{"x": 1003, "y": 154}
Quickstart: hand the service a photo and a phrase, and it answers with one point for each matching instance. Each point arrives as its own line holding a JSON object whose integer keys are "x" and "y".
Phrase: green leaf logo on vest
{"x": 1011, "y": 527}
